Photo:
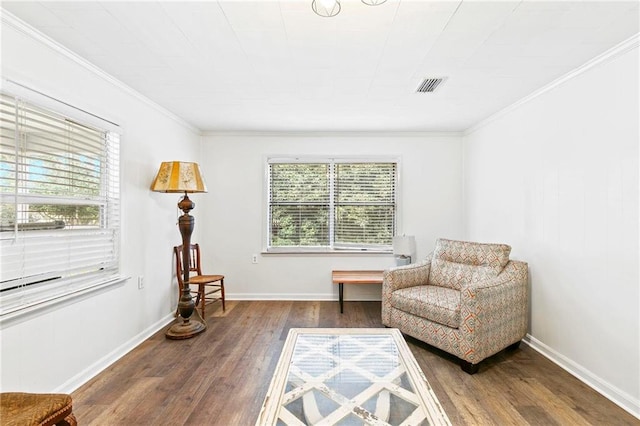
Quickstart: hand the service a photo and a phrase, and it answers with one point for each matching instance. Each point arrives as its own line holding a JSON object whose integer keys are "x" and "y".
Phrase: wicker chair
{"x": 42, "y": 409}
{"x": 466, "y": 298}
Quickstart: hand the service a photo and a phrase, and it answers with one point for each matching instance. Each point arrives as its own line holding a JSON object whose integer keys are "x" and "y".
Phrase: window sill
{"x": 24, "y": 312}
{"x": 328, "y": 252}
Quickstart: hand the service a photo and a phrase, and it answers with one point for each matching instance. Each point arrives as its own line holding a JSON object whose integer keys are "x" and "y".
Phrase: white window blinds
{"x": 331, "y": 204}
{"x": 365, "y": 204}
{"x": 59, "y": 210}
{"x": 299, "y": 204}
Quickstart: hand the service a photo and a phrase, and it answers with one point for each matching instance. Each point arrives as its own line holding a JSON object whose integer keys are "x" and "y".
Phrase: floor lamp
{"x": 179, "y": 177}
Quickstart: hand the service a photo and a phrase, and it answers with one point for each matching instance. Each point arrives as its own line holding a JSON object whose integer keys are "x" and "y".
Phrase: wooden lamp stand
{"x": 189, "y": 326}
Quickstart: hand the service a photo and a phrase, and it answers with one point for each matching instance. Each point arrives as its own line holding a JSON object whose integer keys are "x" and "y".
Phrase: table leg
{"x": 341, "y": 293}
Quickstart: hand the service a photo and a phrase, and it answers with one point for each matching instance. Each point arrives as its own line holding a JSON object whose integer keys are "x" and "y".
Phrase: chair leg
{"x": 202, "y": 298}
{"x": 222, "y": 292}
{"x": 514, "y": 346}
{"x": 469, "y": 368}
{"x": 70, "y": 420}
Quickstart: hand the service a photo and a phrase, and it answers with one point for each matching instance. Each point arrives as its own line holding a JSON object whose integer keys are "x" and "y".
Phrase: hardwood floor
{"x": 221, "y": 376}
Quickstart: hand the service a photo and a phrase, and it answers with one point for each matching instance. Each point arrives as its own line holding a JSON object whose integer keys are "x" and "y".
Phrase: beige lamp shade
{"x": 178, "y": 176}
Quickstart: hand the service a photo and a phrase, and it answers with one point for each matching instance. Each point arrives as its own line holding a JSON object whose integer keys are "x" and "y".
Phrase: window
{"x": 59, "y": 209}
{"x": 331, "y": 204}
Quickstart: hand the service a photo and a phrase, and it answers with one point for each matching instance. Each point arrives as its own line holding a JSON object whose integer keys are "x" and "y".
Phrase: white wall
{"x": 60, "y": 348}
{"x": 232, "y": 214}
{"x": 557, "y": 178}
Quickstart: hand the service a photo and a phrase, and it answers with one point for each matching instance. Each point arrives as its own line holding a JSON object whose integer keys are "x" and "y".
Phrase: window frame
{"x": 32, "y": 295}
{"x": 332, "y": 248}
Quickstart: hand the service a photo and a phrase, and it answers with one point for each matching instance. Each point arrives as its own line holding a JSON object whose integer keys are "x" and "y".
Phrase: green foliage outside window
{"x": 68, "y": 176}
{"x": 365, "y": 203}
{"x": 299, "y": 205}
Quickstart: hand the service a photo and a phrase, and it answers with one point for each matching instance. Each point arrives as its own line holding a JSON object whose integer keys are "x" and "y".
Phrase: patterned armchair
{"x": 466, "y": 298}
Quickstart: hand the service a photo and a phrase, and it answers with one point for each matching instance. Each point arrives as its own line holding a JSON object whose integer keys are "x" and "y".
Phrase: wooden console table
{"x": 354, "y": 277}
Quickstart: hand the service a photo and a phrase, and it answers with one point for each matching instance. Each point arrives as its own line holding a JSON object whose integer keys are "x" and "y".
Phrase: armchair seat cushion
{"x": 437, "y": 304}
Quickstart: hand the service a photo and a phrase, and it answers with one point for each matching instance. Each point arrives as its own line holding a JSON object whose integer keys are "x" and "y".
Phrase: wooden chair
{"x": 209, "y": 287}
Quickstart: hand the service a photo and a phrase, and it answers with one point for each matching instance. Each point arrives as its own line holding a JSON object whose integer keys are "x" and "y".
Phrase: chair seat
{"x": 437, "y": 304}
{"x": 207, "y": 285}
{"x": 22, "y": 409}
{"x": 204, "y": 279}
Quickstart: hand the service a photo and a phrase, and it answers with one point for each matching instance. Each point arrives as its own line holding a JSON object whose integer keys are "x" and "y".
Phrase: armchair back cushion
{"x": 458, "y": 262}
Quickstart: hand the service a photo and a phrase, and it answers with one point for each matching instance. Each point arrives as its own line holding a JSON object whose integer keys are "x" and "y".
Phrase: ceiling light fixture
{"x": 326, "y": 8}
{"x": 329, "y": 8}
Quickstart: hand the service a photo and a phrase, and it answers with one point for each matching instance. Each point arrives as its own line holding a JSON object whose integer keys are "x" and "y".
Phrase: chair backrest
{"x": 457, "y": 262}
{"x": 194, "y": 261}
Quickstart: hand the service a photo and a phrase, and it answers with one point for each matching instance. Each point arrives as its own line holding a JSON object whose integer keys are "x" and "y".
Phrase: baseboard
{"x": 104, "y": 362}
{"x": 609, "y": 391}
{"x": 330, "y": 297}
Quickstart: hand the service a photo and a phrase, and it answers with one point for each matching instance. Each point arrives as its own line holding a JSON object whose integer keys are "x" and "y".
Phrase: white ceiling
{"x": 276, "y": 66}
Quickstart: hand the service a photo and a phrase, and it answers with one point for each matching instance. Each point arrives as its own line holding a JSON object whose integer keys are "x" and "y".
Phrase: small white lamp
{"x": 404, "y": 247}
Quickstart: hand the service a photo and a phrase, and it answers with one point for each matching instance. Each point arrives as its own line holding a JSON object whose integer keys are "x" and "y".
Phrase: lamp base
{"x": 403, "y": 260}
{"x": 182, "y": 329}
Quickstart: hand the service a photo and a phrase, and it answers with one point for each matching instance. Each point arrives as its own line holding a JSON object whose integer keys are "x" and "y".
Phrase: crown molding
{"x": 611, "y": 54}
{"x": 333, "y": 134}
{"x": 16, "y": 23}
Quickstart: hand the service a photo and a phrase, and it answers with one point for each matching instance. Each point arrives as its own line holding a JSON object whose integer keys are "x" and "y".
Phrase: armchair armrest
{"x": 494, "y": 312}
{"x": 407, "y": 276}
{"x": 402, "y": 277}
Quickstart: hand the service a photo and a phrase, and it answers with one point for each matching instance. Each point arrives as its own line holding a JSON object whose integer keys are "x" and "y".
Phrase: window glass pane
{"x": 58, "y": 157}
{"x": 301, "y": 225}
{"x": 299, "y": 208}
{"x": 365, "y": 203}
{"x": 7, "y": 145}
{"x": 364, "y": 225}
{"x": 7, "y": 216}
{"x": 365, "y": 183}
{"x": 49, "y": 216}
{"x": 59, "y": 201}
{"x": 299, "y": 183}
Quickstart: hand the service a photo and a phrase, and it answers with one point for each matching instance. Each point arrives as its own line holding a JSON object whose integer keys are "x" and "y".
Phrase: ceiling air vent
{"x": 429, "y": 85}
